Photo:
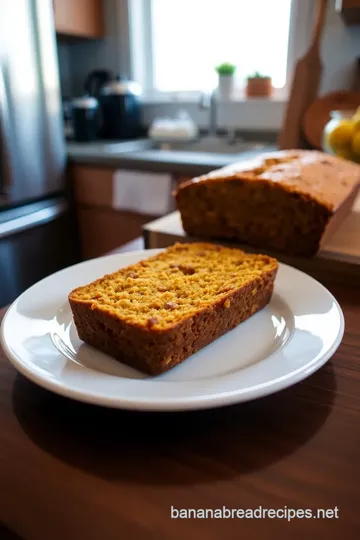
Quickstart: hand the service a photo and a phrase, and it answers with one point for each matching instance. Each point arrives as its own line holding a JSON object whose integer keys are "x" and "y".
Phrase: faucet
{"x": 209, "y": 101}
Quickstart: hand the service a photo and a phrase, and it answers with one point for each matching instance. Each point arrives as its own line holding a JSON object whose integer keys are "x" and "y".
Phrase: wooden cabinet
{"x": 350, "y": 10}
{"x": 79, "y": 18}
{"x": 102, "y": 228}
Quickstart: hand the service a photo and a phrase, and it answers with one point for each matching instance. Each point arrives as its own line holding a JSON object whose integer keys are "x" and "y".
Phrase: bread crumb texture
{"x": 161, "y": 291}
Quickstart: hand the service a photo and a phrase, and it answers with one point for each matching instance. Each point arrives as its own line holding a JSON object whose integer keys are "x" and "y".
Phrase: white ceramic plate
{"x": 281, "y": 345}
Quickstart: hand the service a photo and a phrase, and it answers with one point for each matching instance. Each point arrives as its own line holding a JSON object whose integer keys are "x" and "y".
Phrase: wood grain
{"x": 6, "y": 534}
{"x": 102, "y": 229}
{"x": 92, "y": 186}
{"x": 81, "y": 18}
{"x": 304, "y": 87}
{"x": 318, "y": 114}
{"x": 69, "y": 470}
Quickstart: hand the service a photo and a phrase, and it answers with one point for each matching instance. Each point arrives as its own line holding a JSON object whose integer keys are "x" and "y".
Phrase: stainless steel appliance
{"x": 34, "y": 212}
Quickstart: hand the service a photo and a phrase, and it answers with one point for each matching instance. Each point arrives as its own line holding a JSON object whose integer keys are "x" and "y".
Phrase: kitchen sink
{"x": 211, "y": 145}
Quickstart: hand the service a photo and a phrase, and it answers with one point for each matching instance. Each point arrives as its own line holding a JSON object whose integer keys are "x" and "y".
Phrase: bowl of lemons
{"x": 342, "y": 135}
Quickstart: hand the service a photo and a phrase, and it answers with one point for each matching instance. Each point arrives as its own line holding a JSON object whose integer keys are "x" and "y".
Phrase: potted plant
{"x": 259, "y": 85}
{"x": 226, "y": 73}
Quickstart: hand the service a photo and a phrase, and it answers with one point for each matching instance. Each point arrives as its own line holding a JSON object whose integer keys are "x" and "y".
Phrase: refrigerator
{"x": 36, "y": 224}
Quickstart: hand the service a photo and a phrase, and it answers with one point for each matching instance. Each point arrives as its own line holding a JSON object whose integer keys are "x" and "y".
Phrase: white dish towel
{"x": 143, "y": 192}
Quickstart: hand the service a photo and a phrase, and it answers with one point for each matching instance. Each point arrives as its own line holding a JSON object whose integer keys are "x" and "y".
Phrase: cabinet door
{"x": 82, "y": 18}
{"x": 350, "y": 10}
{"x": 103, "y": 229}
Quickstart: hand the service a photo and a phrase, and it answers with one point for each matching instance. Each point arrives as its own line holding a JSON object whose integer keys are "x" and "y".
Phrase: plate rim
{"x": 199, "y": 402}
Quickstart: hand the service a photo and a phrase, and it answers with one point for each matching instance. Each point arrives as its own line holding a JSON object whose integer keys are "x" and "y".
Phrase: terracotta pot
{"x": 259, "y": 87}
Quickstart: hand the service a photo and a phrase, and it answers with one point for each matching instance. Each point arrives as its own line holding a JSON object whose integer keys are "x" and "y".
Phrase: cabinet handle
{"x": 40, "y": 217}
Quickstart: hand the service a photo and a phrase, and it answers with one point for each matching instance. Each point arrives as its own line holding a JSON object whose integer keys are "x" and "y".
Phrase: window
{"x": 176, "y": 44}
{"x": 191, "y": 37}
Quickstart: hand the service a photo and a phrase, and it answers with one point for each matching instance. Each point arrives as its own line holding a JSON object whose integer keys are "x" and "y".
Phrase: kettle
{"x": 95, "y": 80}
{"x": 120, "y": 106}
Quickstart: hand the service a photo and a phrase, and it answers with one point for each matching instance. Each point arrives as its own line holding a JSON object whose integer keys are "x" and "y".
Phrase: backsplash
{"x": 66, "y": 79}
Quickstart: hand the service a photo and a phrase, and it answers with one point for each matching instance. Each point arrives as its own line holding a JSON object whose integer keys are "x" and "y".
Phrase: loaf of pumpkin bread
{"x": 156, "y": 313}
{"x": 282, "y": 201}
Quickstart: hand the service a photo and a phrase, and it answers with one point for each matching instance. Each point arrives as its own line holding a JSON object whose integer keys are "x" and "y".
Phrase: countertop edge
{"x": 159, "y": 160}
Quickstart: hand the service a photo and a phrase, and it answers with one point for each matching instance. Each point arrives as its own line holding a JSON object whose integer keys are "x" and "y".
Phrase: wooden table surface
{"x": 73, "y": 471}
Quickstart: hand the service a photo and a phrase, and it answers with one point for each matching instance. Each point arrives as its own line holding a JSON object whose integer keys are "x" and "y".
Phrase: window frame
{"x": 139, "y": 35}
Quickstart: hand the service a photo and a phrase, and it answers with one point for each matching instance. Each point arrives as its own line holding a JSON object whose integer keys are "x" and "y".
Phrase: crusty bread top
{"x": 323, "y": 177}
{"x": 160, "y": 292}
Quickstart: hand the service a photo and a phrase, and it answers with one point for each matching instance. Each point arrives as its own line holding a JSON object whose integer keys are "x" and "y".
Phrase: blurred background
{"x": 107, "y": 105}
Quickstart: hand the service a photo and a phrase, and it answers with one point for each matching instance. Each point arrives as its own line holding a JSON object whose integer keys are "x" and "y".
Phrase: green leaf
{"x": 225, "y": 69}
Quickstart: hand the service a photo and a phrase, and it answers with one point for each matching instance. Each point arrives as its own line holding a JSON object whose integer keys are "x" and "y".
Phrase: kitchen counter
{"x": 141, "y": 155}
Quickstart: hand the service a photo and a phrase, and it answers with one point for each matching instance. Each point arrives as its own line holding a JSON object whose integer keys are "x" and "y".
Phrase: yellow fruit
{"x": 356, "y": 120}
{"x": 355, "y": 143}
{"x": 345, "y": 153}
{"x": 341, "y": 136}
